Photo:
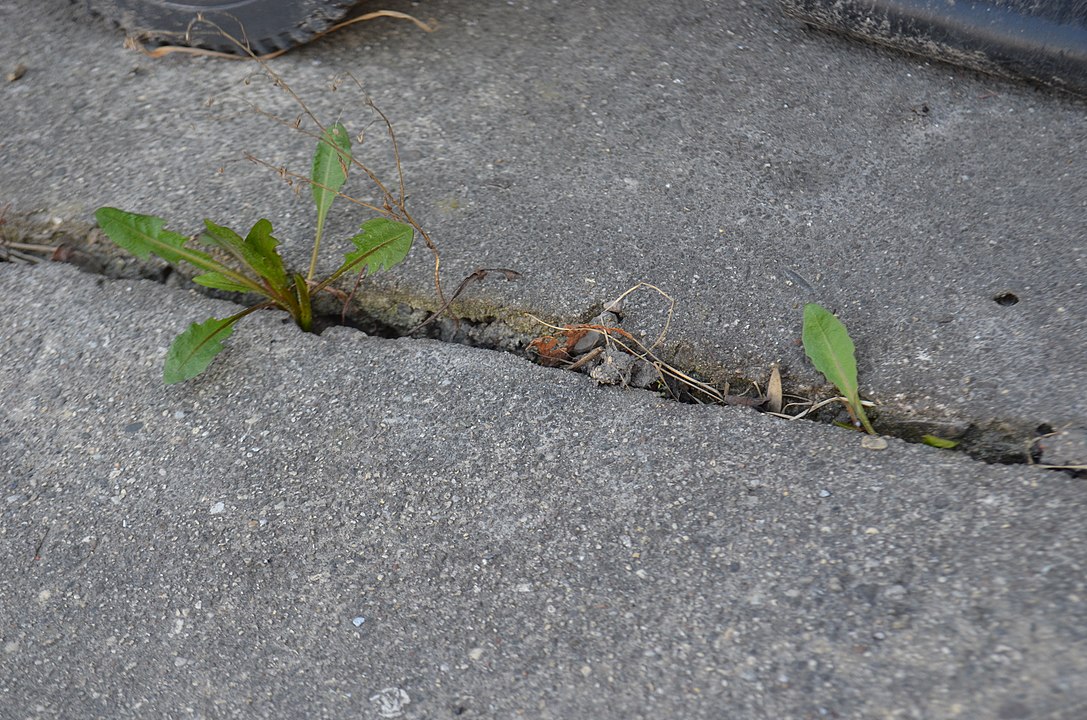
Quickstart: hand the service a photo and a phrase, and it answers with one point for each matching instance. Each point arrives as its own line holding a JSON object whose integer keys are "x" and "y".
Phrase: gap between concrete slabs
{"x": 378, "y": 311}
{"x": 334, "y": 526}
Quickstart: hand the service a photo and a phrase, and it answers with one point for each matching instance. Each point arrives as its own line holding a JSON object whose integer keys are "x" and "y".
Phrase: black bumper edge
{"x": 1043, "y": 42}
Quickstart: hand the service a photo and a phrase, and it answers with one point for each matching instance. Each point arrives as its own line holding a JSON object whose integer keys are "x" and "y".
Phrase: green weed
{"x": 254, "y": 264}
{"x": 829, "y": 347}
{"x": 258, "y": 267}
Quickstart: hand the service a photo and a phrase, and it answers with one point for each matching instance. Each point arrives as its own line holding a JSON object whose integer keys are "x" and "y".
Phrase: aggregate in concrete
{"x": 342, "y": 526}
{"x": 720, "y": 150}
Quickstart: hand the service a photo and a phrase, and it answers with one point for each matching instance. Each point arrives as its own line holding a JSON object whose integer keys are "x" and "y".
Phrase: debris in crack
{"x": 774, "y": 397}
{"x": 82, "y": 260}
{"x": 611, "y": 355}
{"x": 571, "y": 342}
{"x": 620, "y": 368}
{"x": 1062, "y": 449}
{"x": 25, "y": 253}
{"x": 593, "y": 347}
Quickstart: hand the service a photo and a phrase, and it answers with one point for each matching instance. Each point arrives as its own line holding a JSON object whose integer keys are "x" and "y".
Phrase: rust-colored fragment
{"x": 558, "y": 349}
{"x": 554, "y": 350}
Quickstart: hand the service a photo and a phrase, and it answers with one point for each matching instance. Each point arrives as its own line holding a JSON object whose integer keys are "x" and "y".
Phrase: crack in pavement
{"x": 472, "y": 322}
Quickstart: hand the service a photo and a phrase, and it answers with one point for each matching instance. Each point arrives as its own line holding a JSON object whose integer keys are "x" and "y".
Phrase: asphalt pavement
{"x": 346, "y": 525}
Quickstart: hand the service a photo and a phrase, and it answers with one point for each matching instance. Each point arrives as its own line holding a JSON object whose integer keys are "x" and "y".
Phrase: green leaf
{"x": 194, "y": 349}
{"x": 382, "y": 244}
{"x": 220, "y": 282}
{"x": 304, "y": 319}
{"x": 938, "y": 442}
{"x": 257, "y": 251}
{"x": 224, "y": 237}
{"x": 831, "y": 350}
{"x": 142, "y": 235}
{"x": 330, "y": 163}
{"x": 262, "y": 254}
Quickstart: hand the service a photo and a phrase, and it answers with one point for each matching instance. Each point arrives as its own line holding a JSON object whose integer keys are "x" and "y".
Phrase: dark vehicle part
{"x": 267, "y": 25}
{"x": 1045, "y": 42}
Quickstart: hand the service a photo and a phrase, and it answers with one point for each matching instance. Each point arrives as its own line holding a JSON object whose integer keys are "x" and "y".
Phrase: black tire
{"x": 267, "y": 25}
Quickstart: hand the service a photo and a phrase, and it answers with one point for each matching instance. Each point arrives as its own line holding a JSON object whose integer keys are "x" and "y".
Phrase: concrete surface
{"x": 345, "y": 526}
{"x": 352, "y": 527}
{"x": 716, "y": 149}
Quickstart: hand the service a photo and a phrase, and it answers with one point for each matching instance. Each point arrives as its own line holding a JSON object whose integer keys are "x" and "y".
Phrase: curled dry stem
{"x": 813, "y": 406}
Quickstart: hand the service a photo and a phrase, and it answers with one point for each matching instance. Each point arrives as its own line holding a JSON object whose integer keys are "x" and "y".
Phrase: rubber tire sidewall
{"x": 269, "y": 25}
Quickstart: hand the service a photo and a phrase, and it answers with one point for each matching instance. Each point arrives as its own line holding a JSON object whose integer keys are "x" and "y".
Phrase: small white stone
{"x": 390, "y": 702}
{"x": 872, "y": 442}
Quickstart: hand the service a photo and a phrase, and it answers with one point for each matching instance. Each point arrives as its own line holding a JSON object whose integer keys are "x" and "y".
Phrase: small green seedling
{"x": 259, "y": 269}
{"x": 938, "y": 442}
{"x": 829, "y": 347}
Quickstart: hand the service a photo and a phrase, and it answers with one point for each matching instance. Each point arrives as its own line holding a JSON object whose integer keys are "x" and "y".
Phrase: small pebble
{"x": 874, "y": 443}
{"x": 218, "y": 508}
{"x": 357, "y": 622}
